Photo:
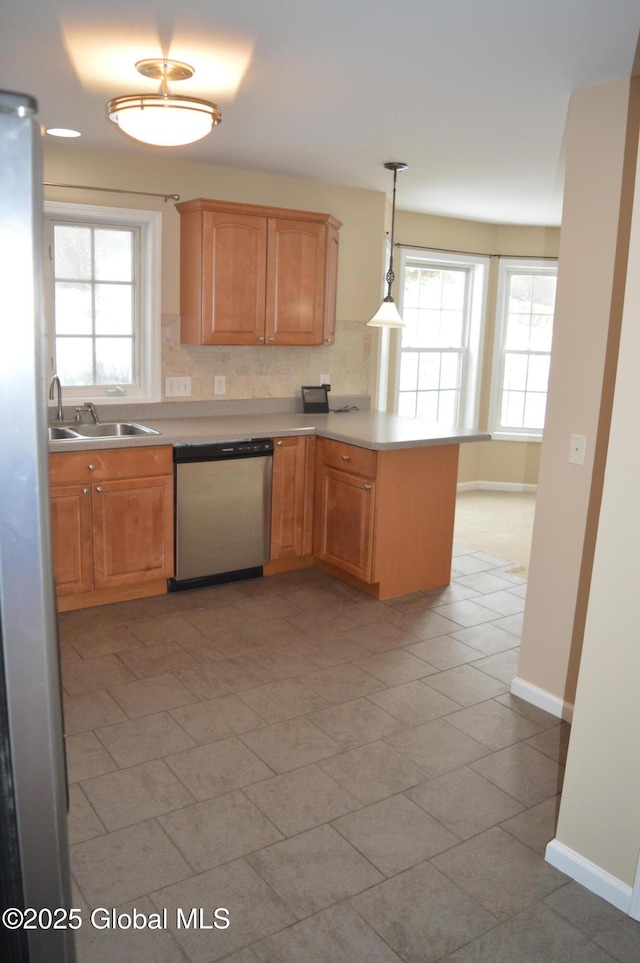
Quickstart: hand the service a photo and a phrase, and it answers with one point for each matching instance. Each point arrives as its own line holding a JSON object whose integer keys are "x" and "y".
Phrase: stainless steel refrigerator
{"x": 34, "y": 870}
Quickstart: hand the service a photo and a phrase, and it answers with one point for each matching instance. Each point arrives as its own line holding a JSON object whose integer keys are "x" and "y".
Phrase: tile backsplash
{"x": 267, "y": 372}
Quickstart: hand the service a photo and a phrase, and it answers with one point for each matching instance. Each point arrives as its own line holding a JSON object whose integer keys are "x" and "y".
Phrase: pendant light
{"x": 164, "y": 119}
{"x": 387, "y": 315}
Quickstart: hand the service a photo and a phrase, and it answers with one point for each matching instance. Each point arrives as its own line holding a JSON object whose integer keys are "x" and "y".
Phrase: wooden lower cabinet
{"x": 111, "y": 524}
{"x": 383, "y": 520}
{"x": 292, "y": 502}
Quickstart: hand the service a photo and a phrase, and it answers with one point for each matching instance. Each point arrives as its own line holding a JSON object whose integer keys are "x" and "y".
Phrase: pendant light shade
{"x": 387, "y": 315}
{"x": 164, "y": 119}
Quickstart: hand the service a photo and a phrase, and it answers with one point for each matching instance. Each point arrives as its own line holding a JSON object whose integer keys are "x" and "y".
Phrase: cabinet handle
{"x": 367, "y": 488}
{"x": 98, "y": 488}
{"x": 346, "y": 457}
{"x": 91, "y": 467}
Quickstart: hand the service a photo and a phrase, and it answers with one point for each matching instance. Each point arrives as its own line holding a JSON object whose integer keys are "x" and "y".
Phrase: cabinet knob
{"x": 261, "y": 338}
{"x": 279, "y": 443}
{"x": 346, "y": 457}
{"x": 98, "y": 488}
{"x": 367, "y": 488}
{"x": 91, "y": 467}
{"x": 271, "y": 339}
{"x": 85, "y": 491}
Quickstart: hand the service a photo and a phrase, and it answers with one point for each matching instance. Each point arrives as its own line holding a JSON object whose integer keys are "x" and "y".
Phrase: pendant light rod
{"x": 394, "y": 166}
{"x": 387, "y": 315}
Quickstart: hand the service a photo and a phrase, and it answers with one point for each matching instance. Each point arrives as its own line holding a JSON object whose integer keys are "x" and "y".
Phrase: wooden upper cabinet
{"x": 256, "y": 275}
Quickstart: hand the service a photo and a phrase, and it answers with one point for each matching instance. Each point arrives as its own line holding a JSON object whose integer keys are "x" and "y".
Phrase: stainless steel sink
{"x": 56, "y": 432}
{"x": 113, "y": 429}
{"x": 106, "y": 429}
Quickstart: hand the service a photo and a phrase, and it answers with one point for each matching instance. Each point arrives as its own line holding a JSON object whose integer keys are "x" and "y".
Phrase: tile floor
{"x": 351, "y": 779}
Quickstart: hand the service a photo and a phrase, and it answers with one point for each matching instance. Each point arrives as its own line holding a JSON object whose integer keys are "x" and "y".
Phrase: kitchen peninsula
{"x": 367, "y": 496}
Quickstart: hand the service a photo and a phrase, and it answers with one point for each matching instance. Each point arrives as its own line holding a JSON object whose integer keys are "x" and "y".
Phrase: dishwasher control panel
{"x": 218, "y": 451}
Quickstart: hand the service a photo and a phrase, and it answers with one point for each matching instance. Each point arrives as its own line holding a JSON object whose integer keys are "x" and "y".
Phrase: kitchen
{"x": 349, "y": 373}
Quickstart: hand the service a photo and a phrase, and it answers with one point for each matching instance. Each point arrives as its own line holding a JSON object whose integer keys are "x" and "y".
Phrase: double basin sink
{"x": 104, "y": 429}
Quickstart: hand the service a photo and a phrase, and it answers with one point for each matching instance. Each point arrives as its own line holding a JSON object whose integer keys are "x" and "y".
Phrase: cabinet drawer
{"x": 99, "y": 464}
{"x": 358, "y": 461}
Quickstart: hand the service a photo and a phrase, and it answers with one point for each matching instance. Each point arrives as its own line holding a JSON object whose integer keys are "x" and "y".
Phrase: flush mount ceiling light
{"x": 164, "y": 119}
{"x": 387, "y": 315}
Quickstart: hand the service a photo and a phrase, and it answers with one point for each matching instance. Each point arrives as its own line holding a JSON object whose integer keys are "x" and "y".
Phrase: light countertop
{"x": 375, "y": 430}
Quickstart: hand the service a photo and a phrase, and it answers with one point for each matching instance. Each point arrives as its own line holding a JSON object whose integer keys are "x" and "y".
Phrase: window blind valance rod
{"x": 113, "y": 190}
{"x": 444, "y": 250}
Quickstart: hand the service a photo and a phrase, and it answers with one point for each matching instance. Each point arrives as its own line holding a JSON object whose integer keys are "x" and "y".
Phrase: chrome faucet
{"x": 91, "y": 408}
{"x": 56, "y": 388}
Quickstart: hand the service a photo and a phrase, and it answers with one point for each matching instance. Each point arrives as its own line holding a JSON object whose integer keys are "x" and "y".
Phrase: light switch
{"x": 219, "y": 385}
{"x": 177, "y": 387}
{"x": 577, "y": 449}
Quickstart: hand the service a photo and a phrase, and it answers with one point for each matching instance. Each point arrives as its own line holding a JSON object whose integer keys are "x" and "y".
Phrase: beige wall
{"x": 515, "y": 463}
{"x": 601, "y": 797}
{"x": 587, "y": 316}
{"x": 250, "y": 372}
{"x": 261, "y": 372}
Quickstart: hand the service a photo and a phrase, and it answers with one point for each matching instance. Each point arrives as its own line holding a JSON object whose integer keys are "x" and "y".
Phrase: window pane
{"x": 114, "y": 361}
{"x": 411, "y": 298}
{"x": 114, "y": 310}
{"x": 429, "y": 371}
{"x": 407, "y": 404}
{"x": 451, "y": 329}
{"x": 447, "y": 408}
{"x": 515, "y": 371}
{"x": 449, "y": 371}
{"x": 410, "y": 333}
{"x": 72, "y": 252}
{"x": 427, "y": 407}
{"x": 409, "y": 371}
{"x": 453, "y": 289}
{"x": 534, "y": 409}
{"x": 538, "y": 376}
{"x": 520, "y": 293}
{"x": 73, "y": 308}
{"x": 74, "y": 360}
{"x": 518, "y": 332}
{"x": 541, "y": 332}
{"x": 430, "y": 288}
{"x": 113, "y": 250}
{"x": 512, "y": 409}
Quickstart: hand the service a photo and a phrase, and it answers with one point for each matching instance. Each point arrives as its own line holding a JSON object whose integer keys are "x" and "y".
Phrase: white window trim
{"x": 150, "y": 225}
{"x": 471, "y": 377}
{"x": 537, "y": 266}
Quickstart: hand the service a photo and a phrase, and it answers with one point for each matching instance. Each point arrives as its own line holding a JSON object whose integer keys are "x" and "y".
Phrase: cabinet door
{"x": 292, "y": 497}
{"x": 344, "y": 527}
{"x": 132, "y": 531}
{"x": 71, "y": 538}
{"x": 234, "y": 259}
{"x": 295, "y": 282}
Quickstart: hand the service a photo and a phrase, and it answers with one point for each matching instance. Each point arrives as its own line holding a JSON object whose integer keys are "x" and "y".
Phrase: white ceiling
{"x": 471, "y": 94}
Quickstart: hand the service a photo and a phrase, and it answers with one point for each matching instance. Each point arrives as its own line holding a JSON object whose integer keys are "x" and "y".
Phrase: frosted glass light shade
{"x": 165, "y": 121}
{"x": 386, "y": 316}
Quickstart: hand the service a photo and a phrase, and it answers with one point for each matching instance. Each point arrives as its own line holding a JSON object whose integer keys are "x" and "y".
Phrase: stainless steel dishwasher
{"x": 223, "y": 511}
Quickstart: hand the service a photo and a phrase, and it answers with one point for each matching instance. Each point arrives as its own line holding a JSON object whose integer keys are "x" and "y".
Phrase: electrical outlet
{"x": 177, "y": 387}
{"x": 577, "y": 449}
{"x": 219, "y": 385}
{"x": 325, "y": 379}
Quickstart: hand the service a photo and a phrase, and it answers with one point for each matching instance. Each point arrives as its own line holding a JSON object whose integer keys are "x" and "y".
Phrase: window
{"x": 442, "y": 303}
{"x": 103, "y": 301}
{"x": 524, "y": 329}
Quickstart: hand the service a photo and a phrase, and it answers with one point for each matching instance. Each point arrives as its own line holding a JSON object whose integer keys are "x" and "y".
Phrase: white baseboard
{"x": 592, "y": 877}
{"x": 495, "y": 486}
{"x": 542, "y": 699}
